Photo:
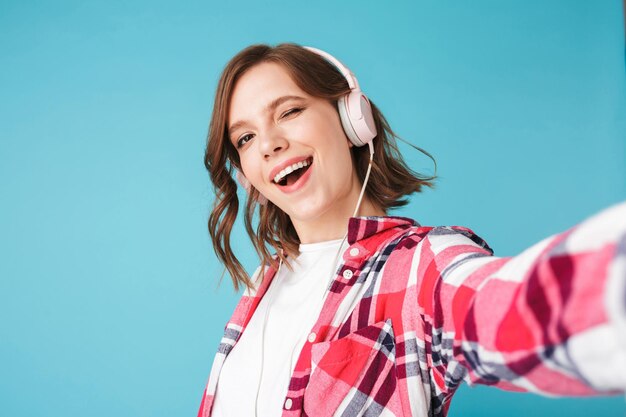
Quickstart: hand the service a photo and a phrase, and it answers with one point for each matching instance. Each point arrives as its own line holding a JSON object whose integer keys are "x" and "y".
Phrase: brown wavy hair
{"x": 390, "y": 182}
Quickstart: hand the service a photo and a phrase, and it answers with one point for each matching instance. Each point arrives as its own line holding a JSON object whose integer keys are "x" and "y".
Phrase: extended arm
{"x": 551, "y": 320}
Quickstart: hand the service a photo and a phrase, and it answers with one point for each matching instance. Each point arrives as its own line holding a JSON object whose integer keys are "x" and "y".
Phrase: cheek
{"x": 338, "y": 168}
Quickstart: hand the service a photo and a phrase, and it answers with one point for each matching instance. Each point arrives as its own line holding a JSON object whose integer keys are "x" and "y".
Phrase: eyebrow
{"x": 269, "y": 108}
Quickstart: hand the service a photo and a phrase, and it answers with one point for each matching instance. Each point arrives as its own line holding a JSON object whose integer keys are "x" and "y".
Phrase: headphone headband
{"x": 349, "y": 76}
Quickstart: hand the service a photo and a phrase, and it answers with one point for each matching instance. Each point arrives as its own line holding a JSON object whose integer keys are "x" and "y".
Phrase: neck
{"x": 333, "y": 224}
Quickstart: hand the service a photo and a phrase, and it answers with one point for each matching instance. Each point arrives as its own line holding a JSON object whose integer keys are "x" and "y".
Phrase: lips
{"x": 294, "y": 181}
{"x": 286, "y": 164}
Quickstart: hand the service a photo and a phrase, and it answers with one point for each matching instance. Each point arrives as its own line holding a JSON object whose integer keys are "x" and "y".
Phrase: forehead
{"x": 257, "y": 87}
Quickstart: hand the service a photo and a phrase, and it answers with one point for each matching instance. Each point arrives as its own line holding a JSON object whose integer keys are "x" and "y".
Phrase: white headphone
{"x": 355, "y": 110}
{"x": 356, "y": 117}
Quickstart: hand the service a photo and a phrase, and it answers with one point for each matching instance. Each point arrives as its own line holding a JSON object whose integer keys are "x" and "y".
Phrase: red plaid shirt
{"x": 413, "y": 311}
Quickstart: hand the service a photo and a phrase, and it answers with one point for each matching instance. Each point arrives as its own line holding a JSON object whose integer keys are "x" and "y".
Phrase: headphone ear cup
{"x": 345, "y": 121}
{"x": 243, "y": 181}
{"x": 357, "y": 119}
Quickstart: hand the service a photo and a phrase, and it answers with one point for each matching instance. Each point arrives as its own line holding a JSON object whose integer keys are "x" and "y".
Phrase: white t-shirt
{"x": 261, "y": 366}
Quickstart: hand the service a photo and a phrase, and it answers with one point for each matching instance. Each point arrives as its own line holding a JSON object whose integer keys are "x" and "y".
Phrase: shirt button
{"x": 288, "y": 404}
{"x": 312, "y": 337}
{"x": 347, "y": 274}
{"x": 354, "y": 252}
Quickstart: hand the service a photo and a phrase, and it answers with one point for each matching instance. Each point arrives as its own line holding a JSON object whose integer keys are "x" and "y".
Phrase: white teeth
{"x": 282, "y": 174}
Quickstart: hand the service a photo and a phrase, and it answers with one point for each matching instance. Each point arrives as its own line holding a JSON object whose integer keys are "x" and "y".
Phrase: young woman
{"x": 360, "y": 313}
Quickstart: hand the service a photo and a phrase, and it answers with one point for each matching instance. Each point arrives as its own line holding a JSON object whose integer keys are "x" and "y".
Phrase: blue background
{"x": 109, "y": 296}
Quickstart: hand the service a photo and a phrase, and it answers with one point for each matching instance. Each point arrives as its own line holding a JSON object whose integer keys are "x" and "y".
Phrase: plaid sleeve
{"x": 551, "y": 320}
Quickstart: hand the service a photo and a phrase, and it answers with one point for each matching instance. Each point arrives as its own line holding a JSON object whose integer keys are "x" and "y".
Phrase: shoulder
{"x": 401, "y": 237}
{"x": 445, "y": 236}
{"x": 440, "y": 238}
{"x": 260, "y": 279}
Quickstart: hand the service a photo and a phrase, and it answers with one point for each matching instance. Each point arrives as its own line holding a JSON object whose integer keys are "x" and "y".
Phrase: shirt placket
{"x": 346, "y": 275}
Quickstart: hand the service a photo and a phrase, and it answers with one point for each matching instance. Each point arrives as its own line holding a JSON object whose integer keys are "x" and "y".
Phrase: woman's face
{"x": 278, "y": 128}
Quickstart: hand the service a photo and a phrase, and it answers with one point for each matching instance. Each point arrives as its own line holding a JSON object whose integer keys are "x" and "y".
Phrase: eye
{"x": 243, "y": 140}
{"x": 291, "y": 111}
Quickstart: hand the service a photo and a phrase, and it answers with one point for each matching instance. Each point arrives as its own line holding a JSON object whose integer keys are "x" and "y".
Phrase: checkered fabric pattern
{"x": 414, "y": 311}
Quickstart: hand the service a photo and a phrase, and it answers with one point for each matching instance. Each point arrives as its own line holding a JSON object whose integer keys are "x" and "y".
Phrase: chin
{"x": 307, "y": 211}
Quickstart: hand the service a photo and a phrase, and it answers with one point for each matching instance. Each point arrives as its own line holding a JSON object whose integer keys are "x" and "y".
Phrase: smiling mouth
{"x": 291, "y": 174}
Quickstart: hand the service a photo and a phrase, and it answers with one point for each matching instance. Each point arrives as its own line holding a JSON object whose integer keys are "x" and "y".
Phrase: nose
{"x": 272, "y": 143}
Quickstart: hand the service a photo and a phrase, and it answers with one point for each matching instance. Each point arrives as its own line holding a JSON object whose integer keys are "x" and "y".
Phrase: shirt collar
{"x": 360, "y": 228}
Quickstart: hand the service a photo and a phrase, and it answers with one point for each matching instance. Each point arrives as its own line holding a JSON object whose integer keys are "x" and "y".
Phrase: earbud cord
{"x": 321, "y": 303}
{"x": 367, "y": 177}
